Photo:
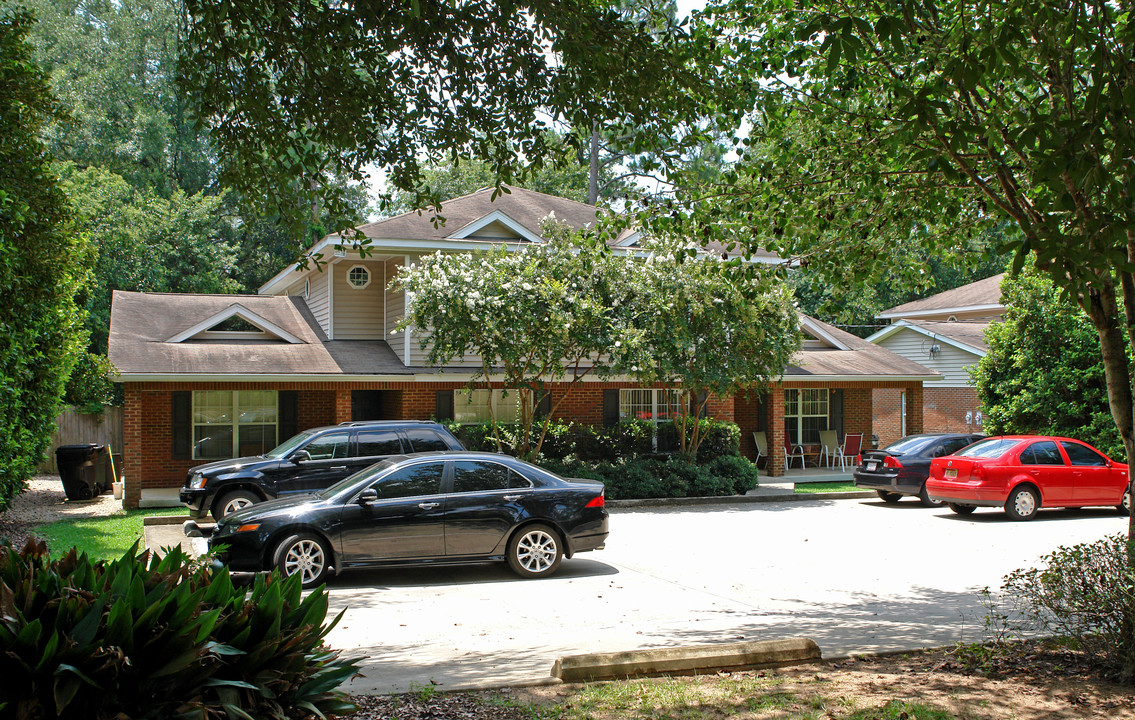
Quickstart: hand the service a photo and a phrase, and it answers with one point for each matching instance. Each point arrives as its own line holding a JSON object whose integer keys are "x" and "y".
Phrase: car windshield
{"x": 912, "y": 444}
{"x": 991, "y": 448}
{"x": 285, "y": 448}
{"x": 369, "y": 471}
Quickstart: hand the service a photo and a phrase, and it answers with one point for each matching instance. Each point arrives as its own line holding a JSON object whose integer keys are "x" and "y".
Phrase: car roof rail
{"x": 360, "y": 423}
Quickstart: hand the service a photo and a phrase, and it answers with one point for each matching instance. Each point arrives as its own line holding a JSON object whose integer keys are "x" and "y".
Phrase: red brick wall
{"x": 148, "y": 435}
{"x": 943, "y": 410}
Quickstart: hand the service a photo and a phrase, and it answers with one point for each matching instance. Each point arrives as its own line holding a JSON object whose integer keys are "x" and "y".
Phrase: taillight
{"x": 597, "y": 501}
{"x": 977, "y": 472}
{"x": 892, "y": 462}
{"x": 858, "y": 459}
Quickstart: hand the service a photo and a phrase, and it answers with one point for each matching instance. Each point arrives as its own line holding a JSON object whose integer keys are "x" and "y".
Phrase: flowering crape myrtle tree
{"x": 534, "y": 315}
{"x": 702, "y": 326}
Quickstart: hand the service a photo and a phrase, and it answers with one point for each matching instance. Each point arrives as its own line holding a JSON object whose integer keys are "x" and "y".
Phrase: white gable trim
{"x": 630, "y": 240}
{"x": 502, "y": 218}
{"x": 937, "y": 337}
{"x": 953, "y": 310}
{"x": 237, "y": 310}
{"x": 815, "y": 331}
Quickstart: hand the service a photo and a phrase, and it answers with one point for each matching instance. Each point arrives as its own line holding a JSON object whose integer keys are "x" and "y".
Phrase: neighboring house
{"x": 946, "y": 333}
{"x": 218, "y": 376}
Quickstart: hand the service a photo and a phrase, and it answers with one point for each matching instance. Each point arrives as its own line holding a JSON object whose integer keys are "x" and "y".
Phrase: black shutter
{"x": 288, "y": 411}
{"x": 610, "y": 407}
{"x": 181, "y": 426}
{"x": 544, "y": 407}
{"x": 835, "y": 412}
{"x": 444, "y": 409}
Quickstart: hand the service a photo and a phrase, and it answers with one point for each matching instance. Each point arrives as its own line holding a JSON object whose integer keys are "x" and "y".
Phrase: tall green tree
{"x": 1043, "y": 372}
{"x": 875, "y": 123}
{"x": 42, "y": 265}
{"x": 295, "y": 93}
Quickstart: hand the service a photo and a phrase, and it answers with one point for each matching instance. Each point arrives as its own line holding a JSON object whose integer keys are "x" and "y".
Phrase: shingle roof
{"x": 981, "y": 293}
{"x": 141, "y": 323}
{"x": 861, "y": 358}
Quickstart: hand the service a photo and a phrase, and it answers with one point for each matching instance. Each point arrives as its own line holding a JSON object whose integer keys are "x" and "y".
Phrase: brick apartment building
{"x": 211, "y": 377}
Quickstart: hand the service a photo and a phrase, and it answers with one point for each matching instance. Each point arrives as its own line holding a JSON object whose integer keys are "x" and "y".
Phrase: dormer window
{"x": 358, "y": 277}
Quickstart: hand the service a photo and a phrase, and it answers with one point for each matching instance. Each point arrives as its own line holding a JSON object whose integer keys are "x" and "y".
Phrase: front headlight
{"x": 196, "y": 481}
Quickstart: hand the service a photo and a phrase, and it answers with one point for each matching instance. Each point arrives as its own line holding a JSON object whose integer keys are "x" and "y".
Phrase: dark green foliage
{"x": 1044, "y": 372}
{"x": 718, "y": 438}
{"x": 90, "y": 388}
{"x": 664, "y": 476}
{"x": 144, "y": 637}
{"x": 585, "y": 442}
{"x": 42, "y": 265}
{"x": 736, "y": 468}
{"x": 1086, "y": 593}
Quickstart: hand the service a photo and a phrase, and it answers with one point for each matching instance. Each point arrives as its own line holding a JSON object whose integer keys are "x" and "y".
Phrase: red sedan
{"x": 1024, "y": 473}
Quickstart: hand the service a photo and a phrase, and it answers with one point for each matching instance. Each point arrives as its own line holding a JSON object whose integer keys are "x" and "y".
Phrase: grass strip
{"x": 103, "y": 538}
{"x": 827, "y": 487}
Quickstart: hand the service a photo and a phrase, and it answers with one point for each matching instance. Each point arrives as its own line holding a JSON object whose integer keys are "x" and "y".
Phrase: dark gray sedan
{"x": 436, "y": 508}
{"x": 902, "y": 467}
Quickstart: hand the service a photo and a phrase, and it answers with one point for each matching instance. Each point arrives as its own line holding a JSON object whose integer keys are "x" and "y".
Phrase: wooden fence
{"x": 73, "y": 427}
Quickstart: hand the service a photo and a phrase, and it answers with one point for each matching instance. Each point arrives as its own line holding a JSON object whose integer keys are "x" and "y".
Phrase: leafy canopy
{"x": 43, "y": 263}
{"x": 1043, "y": 372}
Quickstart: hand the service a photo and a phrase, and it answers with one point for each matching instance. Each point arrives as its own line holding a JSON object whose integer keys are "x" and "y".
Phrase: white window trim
{"x": 234, "y": 424}
{"x": 364, "y": 268}
{"x": 657, "y": 403}
{"x": 496, "y": 397}
{"x": 800, "y": 415}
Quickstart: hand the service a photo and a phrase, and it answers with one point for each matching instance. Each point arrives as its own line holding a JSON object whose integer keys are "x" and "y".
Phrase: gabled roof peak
{"x": 204, "y": 329}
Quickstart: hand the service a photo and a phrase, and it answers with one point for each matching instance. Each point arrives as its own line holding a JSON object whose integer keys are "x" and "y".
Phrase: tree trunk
{"x": 593, "y": 166}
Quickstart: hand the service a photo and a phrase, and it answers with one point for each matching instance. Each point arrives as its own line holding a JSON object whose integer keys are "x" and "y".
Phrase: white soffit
{"x": 201, "y": 329}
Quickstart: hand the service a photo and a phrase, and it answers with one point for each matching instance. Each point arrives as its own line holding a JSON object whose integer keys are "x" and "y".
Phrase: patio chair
{"x": 829, "y": 446}
{"x": 762, "y": 446}
{"x": 852, "y": 444}
{"x": 792, "y": 451}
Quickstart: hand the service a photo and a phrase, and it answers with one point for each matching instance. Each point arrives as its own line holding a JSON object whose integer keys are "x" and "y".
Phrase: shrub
{"x": 1087, "y": 593}
{"x": 737, "y": 469}
{"x": 143, "y": 637}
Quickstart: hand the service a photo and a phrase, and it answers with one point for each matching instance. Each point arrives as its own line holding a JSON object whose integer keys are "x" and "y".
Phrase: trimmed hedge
{"x": 143, "y": 637}
{"x": 622, "y": 457}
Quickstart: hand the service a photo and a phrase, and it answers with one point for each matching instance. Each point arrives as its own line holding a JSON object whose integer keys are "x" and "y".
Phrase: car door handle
{"x": 512, "y": 498}
{"x": 428, "y": 505}
{"x": 338, "y": 467}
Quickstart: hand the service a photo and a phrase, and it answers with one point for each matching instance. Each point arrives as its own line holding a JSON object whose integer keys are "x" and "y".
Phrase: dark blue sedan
{"x": 437, "y": 508}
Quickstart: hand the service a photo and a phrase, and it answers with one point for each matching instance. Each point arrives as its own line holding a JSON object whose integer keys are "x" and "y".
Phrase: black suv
{"x": 310, "y": 461}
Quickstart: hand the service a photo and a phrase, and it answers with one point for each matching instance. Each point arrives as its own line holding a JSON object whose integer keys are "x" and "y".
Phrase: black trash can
{"x": 82, "y": 469}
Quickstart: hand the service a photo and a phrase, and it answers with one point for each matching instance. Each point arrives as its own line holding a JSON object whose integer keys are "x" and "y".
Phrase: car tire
{"x": 924, "y": 498}
{"x": 1023, "y": 503}
{"x": 1124, "y": 506}
{"x": 230, "y": 502}
{"x": 889, "y": 497}
{"x": 305, "y": 555}
{"x": 962, "y": 509}
{"x": 535, "y": 551}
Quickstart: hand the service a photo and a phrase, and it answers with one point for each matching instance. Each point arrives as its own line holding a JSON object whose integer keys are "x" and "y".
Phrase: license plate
{"x": 951, "y": 473}
{"x": 872, "y": 466}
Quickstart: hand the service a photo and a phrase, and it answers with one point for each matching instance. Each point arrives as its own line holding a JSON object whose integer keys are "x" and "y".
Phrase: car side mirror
{"x": 300, "y": 456}
{"x": 368, "y": 496}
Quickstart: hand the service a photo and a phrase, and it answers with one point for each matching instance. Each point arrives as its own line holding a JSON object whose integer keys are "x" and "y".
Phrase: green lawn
{"x": 102, "y": 538}
{"x": 828, "y": 487}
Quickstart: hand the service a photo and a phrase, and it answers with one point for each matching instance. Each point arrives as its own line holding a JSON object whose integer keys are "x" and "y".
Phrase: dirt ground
{"x": 1027, "y": 683}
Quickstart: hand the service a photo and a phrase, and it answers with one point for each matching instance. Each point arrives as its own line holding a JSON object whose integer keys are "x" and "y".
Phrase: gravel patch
{"x": 44, "y": 502}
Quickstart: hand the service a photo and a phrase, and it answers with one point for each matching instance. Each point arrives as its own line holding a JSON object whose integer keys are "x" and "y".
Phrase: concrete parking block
{"x": 687, "y": 660}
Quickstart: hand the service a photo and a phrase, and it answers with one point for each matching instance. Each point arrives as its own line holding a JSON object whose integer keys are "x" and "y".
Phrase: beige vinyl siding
{"x": 950, "y": 362}
{"x": 418, "y": 356}
{"x": 319, "y": 301}
{"x": 358, "y": 312}
{"x": 395, "y": 310}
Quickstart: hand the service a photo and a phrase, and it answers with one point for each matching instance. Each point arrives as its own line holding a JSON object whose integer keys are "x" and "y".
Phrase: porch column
{"x": 131, "y": 447}
{"x": 775, "y": 427}
{"x": 342, "y": 405}
{"x": 914, "y": 410}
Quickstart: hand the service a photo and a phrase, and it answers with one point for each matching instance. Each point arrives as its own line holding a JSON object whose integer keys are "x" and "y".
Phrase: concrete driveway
{"x": 854, "y": 575}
